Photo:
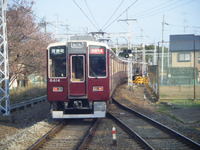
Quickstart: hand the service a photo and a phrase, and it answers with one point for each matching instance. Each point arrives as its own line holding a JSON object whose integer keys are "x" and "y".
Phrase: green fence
{"x": 176, "y": 75}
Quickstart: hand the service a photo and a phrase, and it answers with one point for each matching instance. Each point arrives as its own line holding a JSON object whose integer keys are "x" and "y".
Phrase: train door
{"x": 77, "y": 84}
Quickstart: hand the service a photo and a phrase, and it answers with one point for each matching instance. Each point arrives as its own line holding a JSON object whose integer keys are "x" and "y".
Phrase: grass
{"x": 25, "y": 93}
{"x": 182, "y": 103}
{"x": 165, "y": 106}
{"x": 179, "y": 92}
{"x": 166, "y": 110}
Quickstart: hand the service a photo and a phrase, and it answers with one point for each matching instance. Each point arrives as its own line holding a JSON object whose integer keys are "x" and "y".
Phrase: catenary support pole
{"x": 4, "y": 68}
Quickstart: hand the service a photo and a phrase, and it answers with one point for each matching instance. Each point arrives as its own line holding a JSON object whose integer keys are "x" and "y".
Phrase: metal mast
{"x": 129, "y": 28}
{"x": 130, "y": 73}
{"x": 4, "y": 70}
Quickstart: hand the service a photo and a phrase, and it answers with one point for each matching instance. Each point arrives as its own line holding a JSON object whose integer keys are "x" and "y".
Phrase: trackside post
{"x": 114, "y": 136}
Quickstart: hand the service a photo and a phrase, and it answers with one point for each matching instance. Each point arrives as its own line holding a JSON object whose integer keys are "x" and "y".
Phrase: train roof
{"x": 56, "y": 44}
{"x": 88, "y": 43}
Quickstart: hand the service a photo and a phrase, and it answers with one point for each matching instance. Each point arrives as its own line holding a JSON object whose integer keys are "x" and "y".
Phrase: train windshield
{"x": 57, "y": 61}
{"x": 97, "y": 61}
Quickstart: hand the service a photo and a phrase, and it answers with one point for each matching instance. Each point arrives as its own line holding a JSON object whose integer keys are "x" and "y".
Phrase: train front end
{"x": 78, "y": 79}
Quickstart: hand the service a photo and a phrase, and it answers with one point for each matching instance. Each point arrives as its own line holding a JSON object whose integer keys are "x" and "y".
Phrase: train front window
{"x": 97, "y": 61}
{"x": 57, "y": 61}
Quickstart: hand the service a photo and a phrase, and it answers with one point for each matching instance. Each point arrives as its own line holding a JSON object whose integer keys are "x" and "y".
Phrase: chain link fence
{"x": 177, "y": 72}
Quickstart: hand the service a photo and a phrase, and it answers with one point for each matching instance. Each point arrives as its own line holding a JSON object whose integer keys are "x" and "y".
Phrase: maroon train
{"x": 82, "y": 76}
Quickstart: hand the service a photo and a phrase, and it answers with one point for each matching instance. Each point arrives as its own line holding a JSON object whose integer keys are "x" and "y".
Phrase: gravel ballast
{"x": 25, "y": 137}
{"x": 134, "y": 98}
{"x": 24, "y": 126}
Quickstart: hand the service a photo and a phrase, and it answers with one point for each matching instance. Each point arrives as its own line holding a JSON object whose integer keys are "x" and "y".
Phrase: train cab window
{"x": 77, "y": 68}
{"x": 57, "y": 61}
{"x": 97, "y": 61}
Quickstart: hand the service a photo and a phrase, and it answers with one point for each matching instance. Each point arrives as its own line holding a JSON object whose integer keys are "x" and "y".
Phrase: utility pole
{"x": 143, "y": 54}
{"x": 129, "y": 30}
{"x": 130, "y": 63}
{"x": 143, "y": 60}
{"x": 57, "y": 24}
{"x": 162, "y": 54}
{"x": 66, "y": 28}
{"x": 4, "y": 67}
{"x": 184, "y": 22}
{"x": 117, "y": 48}
{"x": 154, "y": 55}
{"x": 130, "y": 73}
{"x": 44, "y": 24}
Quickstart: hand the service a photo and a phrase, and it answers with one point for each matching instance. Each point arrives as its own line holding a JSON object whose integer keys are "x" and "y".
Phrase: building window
{"x": 198, "y": 58}
{"x": 184, "y": 57}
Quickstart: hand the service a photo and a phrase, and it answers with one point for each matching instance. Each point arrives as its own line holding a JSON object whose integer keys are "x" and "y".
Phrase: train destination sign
{"x": 57, "y": 51}
{"x": 97, "y": 51}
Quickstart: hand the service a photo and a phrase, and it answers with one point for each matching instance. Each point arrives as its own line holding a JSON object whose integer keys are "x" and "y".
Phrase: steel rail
{"x": 168, "y": 130}
{"x": 48, "y": 135}
{"x": 88, "y": 136}
{"x": 130, "y": 132}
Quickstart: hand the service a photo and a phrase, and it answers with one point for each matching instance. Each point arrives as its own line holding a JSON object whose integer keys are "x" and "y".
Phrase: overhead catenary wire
{"x": 159, "y": 6}
{"x": 114, "y": 12}
{"x": 168, "y": 8}
{"x": 91, "y": 14}
{"x": 190, "y": 28}
{"x": 120, "y": 15}
{"x": 175, "y": 25}
{"x": 51, "y": 24}
{"x": 85, "y": 15}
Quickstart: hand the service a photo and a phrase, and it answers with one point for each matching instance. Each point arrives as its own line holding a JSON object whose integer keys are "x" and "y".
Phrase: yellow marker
{"x": 141, "y": 80}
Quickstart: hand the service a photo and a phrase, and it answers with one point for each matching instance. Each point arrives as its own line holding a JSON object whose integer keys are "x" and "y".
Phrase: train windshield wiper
{"x": 95, "y": 75}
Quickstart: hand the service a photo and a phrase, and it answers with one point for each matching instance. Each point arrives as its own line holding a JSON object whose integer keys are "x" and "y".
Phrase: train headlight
{"x": 97, "y": 88}
{"x": 57, "y": 89}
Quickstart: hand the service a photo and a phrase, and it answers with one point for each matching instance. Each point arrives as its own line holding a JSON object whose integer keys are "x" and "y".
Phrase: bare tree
{"x": 27, "y": 42}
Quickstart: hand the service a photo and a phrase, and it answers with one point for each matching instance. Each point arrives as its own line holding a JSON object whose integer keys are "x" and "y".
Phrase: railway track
{"x": 148, "y": 132}
{"x": 102, "y": 140}
{"x": 144, "y": 132}
{"x": 73, "y": 134}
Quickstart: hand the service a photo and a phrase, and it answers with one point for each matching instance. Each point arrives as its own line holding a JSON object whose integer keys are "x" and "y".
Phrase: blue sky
{"x": 149, "y": 13}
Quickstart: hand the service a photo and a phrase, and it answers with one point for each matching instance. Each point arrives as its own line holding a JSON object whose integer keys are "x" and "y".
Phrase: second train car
{"x": 81, "y": 78}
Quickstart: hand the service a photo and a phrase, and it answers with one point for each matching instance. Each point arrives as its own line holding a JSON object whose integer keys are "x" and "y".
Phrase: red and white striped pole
{"x": 114, "y": 136}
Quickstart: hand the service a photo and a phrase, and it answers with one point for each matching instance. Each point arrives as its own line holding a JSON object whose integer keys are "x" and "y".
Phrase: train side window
{"x": 114, "y": 67}
{"x": 77, "y": 68}
{"x": 57, "y": 61}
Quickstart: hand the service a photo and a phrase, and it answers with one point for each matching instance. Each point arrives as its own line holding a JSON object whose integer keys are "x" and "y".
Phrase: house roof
{"x": 184, "y": 42}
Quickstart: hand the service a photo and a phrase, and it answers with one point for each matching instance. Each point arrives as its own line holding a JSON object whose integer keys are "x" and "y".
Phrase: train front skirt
{"x": 99, "y": 112}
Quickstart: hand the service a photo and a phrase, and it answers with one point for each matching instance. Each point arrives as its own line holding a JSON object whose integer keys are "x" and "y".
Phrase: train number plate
{"x": 54, "y": 80}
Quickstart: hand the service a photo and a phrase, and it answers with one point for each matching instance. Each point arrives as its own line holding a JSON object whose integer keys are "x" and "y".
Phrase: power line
{"x": 120, "y": 14}
{"x": 165, "y": 8}
{"x": 85, "y": 15}
{"x": 190, "y": 28}
{"x": 91, "y": 14}
{"x": 175, "y": 25}
{"x": 114, "y": 12}
{"x": 157, "y": 7}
